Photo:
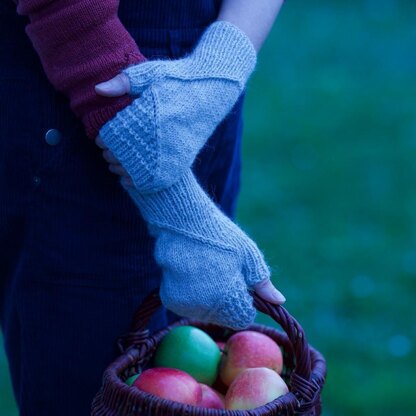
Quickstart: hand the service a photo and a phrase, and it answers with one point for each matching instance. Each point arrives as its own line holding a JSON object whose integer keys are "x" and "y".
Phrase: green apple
{"x": 192, "y": 350}
{"x": 131, "y": 379}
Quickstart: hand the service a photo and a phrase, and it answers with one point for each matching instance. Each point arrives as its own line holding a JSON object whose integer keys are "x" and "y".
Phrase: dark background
{"x": 329, "y": 192}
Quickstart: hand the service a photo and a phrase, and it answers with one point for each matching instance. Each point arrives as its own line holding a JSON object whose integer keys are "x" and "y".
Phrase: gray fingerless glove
{"x": 181, "y": 102}
{"x": 208, "y": 263}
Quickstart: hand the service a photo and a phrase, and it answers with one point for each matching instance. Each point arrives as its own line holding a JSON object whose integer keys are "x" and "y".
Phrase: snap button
{"x": 36, "y": 180}
{"x": 53, "y": 137}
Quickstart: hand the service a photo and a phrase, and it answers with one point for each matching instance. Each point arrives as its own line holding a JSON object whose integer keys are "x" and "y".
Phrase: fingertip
{"x": 127, "y": 182}
{"x": 278, "y": 298}
{"x": 277, "y": 303}
{"x": 266, "y": 290}
{"x": 103, "y": 89}
{"x": 99, "y": 142}
{"x": 272, "y": 295}
{"x": 115, "y": 87}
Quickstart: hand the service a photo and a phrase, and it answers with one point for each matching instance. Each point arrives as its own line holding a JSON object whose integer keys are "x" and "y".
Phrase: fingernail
{"x": 278, "y": 297}
{"x": 103, "y": 86}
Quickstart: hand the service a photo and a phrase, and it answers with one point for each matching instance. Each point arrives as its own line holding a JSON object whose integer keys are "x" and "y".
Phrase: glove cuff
{"x": 184, "y": 205}
{"x": 185, "y": 208}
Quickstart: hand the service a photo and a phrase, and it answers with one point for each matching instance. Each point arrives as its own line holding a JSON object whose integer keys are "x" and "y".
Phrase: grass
{"x": 328, "y": 192}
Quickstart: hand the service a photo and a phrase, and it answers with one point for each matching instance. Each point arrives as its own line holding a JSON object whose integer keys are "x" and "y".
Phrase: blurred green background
{"x": 329, "y": 192}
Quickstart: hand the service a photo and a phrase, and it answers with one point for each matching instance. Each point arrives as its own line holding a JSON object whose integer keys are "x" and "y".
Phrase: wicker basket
{"x": 304, "y": 368}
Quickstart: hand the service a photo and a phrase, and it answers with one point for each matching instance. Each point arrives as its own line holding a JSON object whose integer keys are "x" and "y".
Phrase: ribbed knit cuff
{"x": 94, "y": 120}
{"x": 177, "y": 205}
{"x": 131, "y": 136}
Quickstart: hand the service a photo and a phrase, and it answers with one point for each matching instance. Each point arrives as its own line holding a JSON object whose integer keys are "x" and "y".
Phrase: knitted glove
{"x": 158, "y": 136}
{"x": 208, "y": 263}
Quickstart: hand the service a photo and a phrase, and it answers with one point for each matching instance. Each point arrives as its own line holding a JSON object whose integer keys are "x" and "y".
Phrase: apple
{"x": 131, "y": 379}
{"x": 192, "y": 350}
{"x": 171, "y": 384}
{"x": 210, "y": 398}
{"x": 221, "y": 345}
{"x": 254, "y": 387}
{"x": 249, "y": 349}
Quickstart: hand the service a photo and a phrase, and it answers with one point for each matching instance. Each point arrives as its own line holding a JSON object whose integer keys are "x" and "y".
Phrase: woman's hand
{"x": 265, "y": 289}
{"x": 209, "y": 265}
{"x": 114, "y": 164}
{"x": 210, "y": 61}
{"x": 178, "y": 105}
{"x": 115, "y": 87}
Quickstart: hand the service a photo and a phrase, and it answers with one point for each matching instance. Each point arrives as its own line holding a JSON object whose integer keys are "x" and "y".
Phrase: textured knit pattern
{"x": 208, "y": 262}
{"x": 80, "y": 44}
{"x": 181, "y": 104}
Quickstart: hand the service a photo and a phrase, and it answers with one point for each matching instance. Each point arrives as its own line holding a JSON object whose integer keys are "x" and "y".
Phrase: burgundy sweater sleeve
{"x": 81, "y": 43}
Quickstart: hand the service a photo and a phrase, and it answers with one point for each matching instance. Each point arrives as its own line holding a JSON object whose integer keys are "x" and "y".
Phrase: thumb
{"x": 119, "y": 85}
{"x": 267, "y": 291}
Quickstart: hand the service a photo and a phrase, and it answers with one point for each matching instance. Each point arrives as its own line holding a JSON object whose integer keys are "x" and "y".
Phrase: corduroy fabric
{"x": 151, "y": 14}
{"x": 76, "y": 257}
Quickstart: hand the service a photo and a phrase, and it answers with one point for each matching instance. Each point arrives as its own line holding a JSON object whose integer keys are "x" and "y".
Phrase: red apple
{"x": 211, "y": 398}
{"x": 170, "y": 383}
{"x": 220, "y": 344}
{"x": 254, "y": 387}
{"x": 249, "y": 349}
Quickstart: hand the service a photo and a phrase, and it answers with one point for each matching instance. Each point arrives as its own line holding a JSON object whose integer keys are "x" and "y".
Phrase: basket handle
{"x": 293, "y": 330}
{"x": 151, "y": 303}
{"x": 140, "y": 321}
{"x": 305, "y": 385}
